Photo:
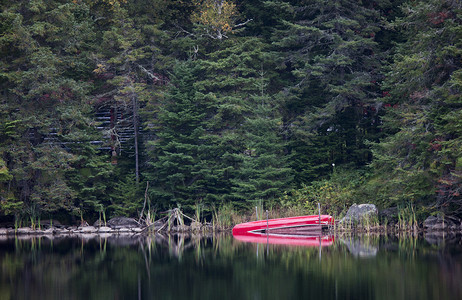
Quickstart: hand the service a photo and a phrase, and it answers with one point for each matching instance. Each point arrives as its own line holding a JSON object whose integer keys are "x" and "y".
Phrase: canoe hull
{"x": 293, "y": 225}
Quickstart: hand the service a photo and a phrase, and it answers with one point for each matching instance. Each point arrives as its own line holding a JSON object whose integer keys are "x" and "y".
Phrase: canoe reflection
{"x": 284, "y": 239}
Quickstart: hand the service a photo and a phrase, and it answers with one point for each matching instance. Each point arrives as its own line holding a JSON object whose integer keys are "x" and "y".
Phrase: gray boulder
{"x": 122, "y": 222}
{"x": 357, "y": 213}
{"x": 441, "y": 223}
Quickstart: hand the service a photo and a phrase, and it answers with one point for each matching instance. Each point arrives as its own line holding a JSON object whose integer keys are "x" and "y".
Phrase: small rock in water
{"x": 87, "y": 229}
{"x": 104, "y": 229}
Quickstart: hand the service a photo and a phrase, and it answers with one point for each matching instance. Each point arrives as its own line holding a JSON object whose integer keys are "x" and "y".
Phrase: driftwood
{"x": 167, "y": 222}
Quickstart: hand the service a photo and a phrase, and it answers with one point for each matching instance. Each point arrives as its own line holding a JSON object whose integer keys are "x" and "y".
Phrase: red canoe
{"x": 292, "y": 226}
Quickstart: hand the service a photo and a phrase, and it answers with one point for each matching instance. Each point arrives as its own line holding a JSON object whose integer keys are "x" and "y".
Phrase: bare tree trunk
{"x": 145, "y": 200}
{"x": 135, "y": 129}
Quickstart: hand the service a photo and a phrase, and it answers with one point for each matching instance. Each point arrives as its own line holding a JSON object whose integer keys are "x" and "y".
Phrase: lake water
{"x": 221, "y": 267}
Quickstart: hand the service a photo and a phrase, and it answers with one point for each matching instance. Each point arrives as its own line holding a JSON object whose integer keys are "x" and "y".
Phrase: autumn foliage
{"x": 216, "y": 16}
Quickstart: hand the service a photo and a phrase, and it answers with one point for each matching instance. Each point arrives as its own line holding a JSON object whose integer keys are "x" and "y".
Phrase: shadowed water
{"x": 221, "y": 267}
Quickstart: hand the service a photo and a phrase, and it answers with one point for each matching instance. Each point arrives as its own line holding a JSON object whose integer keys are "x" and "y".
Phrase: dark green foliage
{"x": 126, "y": 198}
{"x": 246, "y": 127}
{"x": 422, "y": 152}
{"x": 99, "y": 99}
{"x": 217, "y": 140}
{"x": 43, "y": 90}
{"x": 263, "y": 172}
{"x": 179, "y": 147}
{"x": 332, "y": 57}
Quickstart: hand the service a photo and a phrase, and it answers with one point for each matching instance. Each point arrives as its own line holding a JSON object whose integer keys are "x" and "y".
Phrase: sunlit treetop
{"x": 216, "y": 17}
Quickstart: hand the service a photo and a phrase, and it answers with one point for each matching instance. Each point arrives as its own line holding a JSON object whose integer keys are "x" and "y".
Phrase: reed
{"x": 104, "y": 217}
{"x": 17, "y": 224}
{"x": 32, "y": 223}
{"x": 407, "y": 219}
{"x": 149, "y": 221}
{"x": 197, "y": 212}
{"x": 169, "y": 221}
{"x": 227, "y": 216}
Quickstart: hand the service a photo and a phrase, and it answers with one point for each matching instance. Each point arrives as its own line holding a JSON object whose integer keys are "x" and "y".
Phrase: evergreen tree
{"x": 130, "y": 69}
{"x": 330, "y": 52}
{"x": 263, "y": 172}
{"x": 271, "y": 94}
{"x": 45, "y": 80}
{"x": 178, "y": 150}
{"x": 421, "y": 156}
{"x": 235, "y": 74}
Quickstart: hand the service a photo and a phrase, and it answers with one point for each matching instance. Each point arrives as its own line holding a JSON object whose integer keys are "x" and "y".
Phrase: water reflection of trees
{"x": 111, "y": 267}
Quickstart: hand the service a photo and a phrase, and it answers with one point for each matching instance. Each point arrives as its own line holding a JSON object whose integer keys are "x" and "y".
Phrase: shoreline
{"x": 149, "y": 230}
{"x": 72, "y": 230}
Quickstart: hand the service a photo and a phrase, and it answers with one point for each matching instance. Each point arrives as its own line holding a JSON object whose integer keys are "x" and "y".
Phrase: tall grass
{"x": 407, "y": 219}
{"x": 226, "y": 216}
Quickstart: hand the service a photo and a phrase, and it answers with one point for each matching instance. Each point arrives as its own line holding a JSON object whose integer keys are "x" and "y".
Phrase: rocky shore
{"x": 365, "y": 218}
{"x": 115, "y": 226}
{"x": 53, "y": 227}
{"x": 362, "y": 218}
{"x": 72, "y": 230}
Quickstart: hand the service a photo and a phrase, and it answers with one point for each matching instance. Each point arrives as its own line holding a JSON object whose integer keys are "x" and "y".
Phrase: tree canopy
{"x": 214, "y": 103}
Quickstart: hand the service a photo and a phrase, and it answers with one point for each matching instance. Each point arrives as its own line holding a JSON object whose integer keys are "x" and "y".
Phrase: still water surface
{"x": 221, "y": 267}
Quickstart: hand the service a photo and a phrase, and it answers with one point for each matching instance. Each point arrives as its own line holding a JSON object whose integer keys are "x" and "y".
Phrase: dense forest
{"x": 108, "y": 106}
